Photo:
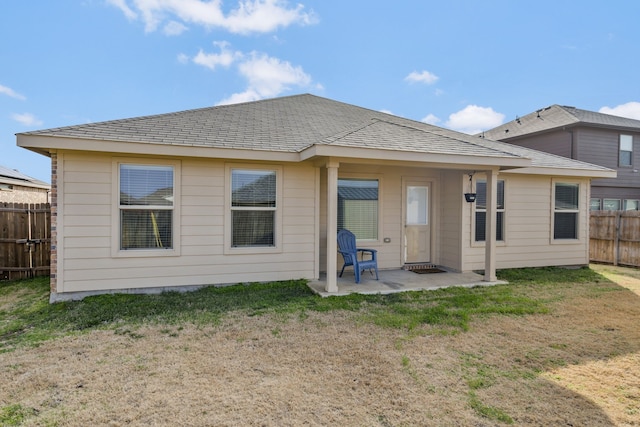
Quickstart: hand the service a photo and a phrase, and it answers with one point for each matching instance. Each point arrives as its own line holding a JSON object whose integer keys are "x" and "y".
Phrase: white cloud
{"x": 630, "y": 110}
{"x": 431, "y": 119}
{"x": 26, "y": 119}
{"x": 250, "y": 16}
{"x": 122, "y": 5}
{"x": 12, "y": 93}
{"x": 183, "y": 58}
{"x": 473, "y": 119}
{"x": 267, "y": 77}
{"x": 174, "y": 28}
{"x": 225, "y": 58}
{"x": 423, "y": 77}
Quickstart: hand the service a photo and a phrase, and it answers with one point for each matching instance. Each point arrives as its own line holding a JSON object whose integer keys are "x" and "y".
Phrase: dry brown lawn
{"x": 578, "y": 365}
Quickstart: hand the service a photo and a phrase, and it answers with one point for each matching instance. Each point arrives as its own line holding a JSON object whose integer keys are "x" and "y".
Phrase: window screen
{"x": 253, "y": 208}
{"x": 146, "y": 206}
{"x": 626, "y": 150}
{"x": 358, "y": 207}
{"x": 481, "y": 211}
{"x": 566, "y": 211}
{"x": 611, "y": 204}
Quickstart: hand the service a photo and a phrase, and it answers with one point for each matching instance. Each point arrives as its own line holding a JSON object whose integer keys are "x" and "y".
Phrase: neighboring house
{"x": 257, "y": 191}
{"x": 603, "y": 139}
{"x": 16, "y": 187}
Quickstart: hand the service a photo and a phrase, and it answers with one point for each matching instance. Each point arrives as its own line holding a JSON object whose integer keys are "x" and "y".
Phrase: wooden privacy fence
{"x": 25, "y": 240}
{"x": 615, "y": 237}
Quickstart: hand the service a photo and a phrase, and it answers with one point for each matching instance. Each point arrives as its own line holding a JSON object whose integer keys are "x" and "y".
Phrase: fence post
{"x": 616, "y": 241}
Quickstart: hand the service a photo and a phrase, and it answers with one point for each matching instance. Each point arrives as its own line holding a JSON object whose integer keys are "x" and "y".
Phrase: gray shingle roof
{"x": 295, "y": 123}
{"x": 558, "y": 116}
{"x": 7, "y": 174}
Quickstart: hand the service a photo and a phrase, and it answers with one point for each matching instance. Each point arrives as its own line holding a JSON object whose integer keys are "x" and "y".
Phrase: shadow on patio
{"x": 392, "y": 281}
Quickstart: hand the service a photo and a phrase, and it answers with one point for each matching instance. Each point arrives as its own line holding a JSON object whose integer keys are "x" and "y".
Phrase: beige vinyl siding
{"x": 87, "y": 229}
{"x": 528, "y": 224}
{"x": 390, "y": 255}
{"x": 452, "y": 200}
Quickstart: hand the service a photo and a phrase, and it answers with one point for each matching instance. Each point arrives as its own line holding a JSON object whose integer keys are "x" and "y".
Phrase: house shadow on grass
{"x": 584, "y": 355}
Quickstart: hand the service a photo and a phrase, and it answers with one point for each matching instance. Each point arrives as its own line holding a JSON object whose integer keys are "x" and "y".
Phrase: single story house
{"x": 257, "y": 192}
{"x": 16, "y": 187}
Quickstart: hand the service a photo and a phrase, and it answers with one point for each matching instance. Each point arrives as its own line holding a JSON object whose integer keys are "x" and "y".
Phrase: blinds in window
{"x": 253, "y": 207}
{"x": 566, "y": 211}
{"x": 146, "y": 185}
{"x": 481, "y": 195}
{"x": 358, "y": 207}
{"x": 146, "y": 206}
{"x": 481, "y": 211}
{"x": 253, "y": 188}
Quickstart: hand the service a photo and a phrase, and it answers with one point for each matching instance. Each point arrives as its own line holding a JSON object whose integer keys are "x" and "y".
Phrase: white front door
{"x": 417, "y": 228}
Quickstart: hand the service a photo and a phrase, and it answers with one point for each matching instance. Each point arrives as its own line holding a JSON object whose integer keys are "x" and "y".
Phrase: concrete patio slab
{"x": 392, "y": 281}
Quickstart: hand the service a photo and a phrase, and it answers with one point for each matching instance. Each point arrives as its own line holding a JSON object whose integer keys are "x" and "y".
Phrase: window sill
{"x": 252, "y": 250}
{"x": 483, "y": 244}
{"x": 145, "y": 253}
{"x": 566, "y": 241}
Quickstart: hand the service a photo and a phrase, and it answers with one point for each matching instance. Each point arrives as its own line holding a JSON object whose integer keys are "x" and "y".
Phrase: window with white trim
{"x": 358, "y": 207}
{"x": 481, "y": 211}
{"x": 626, "y": 150}
{"x": 146, "y": 206}
{"x": 566, "y": 211}
{"x": 253, "y": 207}
{"x": 594, "y": 204}
{"x": 631, "y": 204}
{"x": 611, "y": 204}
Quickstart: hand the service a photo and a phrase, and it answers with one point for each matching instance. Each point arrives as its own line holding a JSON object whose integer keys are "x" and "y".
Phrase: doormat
{"x": 427, "y": 270}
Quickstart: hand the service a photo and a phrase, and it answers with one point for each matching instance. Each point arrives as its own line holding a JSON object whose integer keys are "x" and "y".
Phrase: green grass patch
{"x": 452, "y": 307}
{"x": 27, "y": 318}
{"x": 489, "y": 412}
{"x": 550, "y": 276}
{"x": 15, "y": 415}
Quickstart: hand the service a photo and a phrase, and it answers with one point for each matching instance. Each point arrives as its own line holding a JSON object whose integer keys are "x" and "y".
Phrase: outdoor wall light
{"x": 470, "y": 196}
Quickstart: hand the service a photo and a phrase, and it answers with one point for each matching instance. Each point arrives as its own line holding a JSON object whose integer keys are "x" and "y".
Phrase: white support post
{"x": 490, "y": 230}
{"x": 332, "y": 226}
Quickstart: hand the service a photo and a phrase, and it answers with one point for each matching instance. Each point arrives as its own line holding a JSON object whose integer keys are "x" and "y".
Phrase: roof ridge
{"x": 408, "y": 124}
{"x": 343, "y": 134}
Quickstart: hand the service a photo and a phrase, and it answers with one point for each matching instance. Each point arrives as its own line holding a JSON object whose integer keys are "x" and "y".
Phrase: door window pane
{"x": 417, "y": 205}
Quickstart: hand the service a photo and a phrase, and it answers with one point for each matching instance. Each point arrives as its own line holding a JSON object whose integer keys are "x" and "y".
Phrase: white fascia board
{"x": 587, "y": 173}
{"x": 44, "y": 144}
{"x": 414, "y": 157}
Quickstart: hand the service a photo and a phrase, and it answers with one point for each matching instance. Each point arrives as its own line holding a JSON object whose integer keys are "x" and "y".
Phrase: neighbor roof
{"x": 305, "y": 125}
{"x": 12, "y": 176}
{"x": 555, "y": 117}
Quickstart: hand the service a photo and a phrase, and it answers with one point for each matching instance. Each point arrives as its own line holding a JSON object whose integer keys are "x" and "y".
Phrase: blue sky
{"x": 465, "y": 65}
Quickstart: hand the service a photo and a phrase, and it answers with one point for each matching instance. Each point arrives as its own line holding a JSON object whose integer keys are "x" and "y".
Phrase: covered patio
{"x": 399, "y": 280}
